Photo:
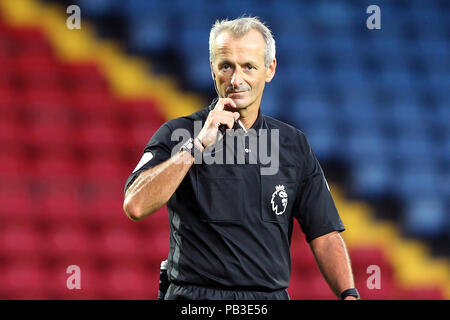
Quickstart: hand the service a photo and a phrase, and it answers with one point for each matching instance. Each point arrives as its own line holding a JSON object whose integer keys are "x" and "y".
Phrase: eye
{"x": 225, "y": 66}
{"x": 250, "y": 67}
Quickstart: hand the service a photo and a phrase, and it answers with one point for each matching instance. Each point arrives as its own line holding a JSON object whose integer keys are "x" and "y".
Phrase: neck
{"x": 249, "y": 115}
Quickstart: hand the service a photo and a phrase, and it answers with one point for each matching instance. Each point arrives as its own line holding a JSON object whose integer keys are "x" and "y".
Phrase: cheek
{"x": 257, "y": 84}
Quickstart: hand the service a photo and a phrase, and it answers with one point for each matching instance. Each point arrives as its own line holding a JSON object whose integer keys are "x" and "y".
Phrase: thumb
{"x": 236, "y": 115}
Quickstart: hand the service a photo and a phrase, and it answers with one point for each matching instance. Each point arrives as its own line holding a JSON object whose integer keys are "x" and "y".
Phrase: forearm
{"x": 333, "y": 261}
{"x": 154, "y": 187}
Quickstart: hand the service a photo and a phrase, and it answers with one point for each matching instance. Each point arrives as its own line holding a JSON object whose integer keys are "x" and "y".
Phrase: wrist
{"x": 199, "y": 144}
{"x": 192, "y": 147}
{"x": 350, "y": 294}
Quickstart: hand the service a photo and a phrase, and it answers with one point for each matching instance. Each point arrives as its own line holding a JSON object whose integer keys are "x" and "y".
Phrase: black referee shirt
{"x": 231, "y": 225}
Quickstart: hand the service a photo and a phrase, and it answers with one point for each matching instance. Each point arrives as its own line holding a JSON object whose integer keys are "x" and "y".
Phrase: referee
{"x": 231, "y": 221}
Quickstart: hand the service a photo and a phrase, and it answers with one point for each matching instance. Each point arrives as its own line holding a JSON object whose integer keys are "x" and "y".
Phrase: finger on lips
{"x": 225, "y": 102}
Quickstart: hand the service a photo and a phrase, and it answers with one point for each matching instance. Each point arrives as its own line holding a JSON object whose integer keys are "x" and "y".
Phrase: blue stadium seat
{"x": 100, "y": 7}
{"x": 372, "y": 178}
{"x": 415, "y": 146}
{"x": 144, "y": 8}
{"x": 362, "y": 146}
{"x": 311, "y": 109}
{"x": 324, "y": 141}
{"x": 416, "y": 180}
{"x": 272, "y": 104}
{"x": 426, "y": 216}
{"x": 150, "y": 35}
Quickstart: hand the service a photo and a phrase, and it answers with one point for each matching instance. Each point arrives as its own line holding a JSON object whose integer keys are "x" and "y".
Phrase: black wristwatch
{"x": 190, "y": 147}
{"x": 350, "y": 292}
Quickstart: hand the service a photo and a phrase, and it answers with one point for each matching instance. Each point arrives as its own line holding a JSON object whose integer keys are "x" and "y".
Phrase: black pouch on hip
{"x": 163, "y": 280}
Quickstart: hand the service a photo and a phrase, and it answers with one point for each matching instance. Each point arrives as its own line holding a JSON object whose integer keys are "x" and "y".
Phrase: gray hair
{"x": 239, "y": 27}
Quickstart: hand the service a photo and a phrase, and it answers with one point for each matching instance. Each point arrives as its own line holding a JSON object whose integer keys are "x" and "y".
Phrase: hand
{"x": 216, "y": 117}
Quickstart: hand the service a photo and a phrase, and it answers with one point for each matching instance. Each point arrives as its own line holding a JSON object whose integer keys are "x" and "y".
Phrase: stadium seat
{"x": 23, "y": 281}
{"x": 68, "y": 241}
{"x": 92, "y": 278}
{"x": 131, "y": 282}
{"x": 17, "y": 203}
{"x": 60, "y": 203}
{"x": 20, "y": 241}
{"x": 426, "y": 216}
{"x": 372, "y": 178}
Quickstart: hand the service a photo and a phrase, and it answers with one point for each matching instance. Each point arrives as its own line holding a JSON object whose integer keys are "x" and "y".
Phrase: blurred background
{"x": 77, "y": 107}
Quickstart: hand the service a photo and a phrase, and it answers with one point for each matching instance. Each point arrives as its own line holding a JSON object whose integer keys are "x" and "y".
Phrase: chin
{"x": 240, "y": 103}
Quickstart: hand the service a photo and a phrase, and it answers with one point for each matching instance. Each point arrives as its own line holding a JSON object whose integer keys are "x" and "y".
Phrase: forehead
{"x": 250, "y": 45}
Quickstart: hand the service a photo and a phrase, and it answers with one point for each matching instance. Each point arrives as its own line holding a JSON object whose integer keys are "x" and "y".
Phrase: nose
{"x": 236, "y": 79}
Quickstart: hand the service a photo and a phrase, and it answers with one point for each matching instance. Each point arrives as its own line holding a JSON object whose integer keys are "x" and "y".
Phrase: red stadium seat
{"x": 386, "y": 291}
{"x": 12, "y": 133}
{"x": 108, "y": 164}
{"x": 141, "y": 132}
{"x": 60, "y": 203}
{"x": 99, "y": 138}
{"x": 48, "y": 136}
{"x": 303, "y": 260}
{"x": 49, "y": 109}
{"x": 84, "y": 77}
{"x": 17, "y": 204}
{"x": 145, "y": 110}
{"x": 7, "y": 97}
{"x": 118, "y": 243}
{"x": 103, "y": 201}
{"x": 424, "y": 293}
{"x": 67, "y": 241}
{"x": 28, "y": 40}
{"x": 34, "y": 66}
{"x": 20, "y": 241}
{"x": 92, "y": 100}
{"x": 129, "y": 281}
{"x": 158, "y": 249}
{"x": 57, "y": 165}
{"x": 159, "y": 221}
{"x": 13, "y": 163}
{"x": 23, "y": 281}
{"x": 364, "y": 257}
{"x": 311, "y": 287}
{"x": 92, "y": 280}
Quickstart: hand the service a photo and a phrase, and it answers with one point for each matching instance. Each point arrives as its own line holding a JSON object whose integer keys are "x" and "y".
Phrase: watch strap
{"x": 350, "y": 292}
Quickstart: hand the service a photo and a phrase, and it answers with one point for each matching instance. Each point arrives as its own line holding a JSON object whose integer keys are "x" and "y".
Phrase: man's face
{"x": 239, "y": 67}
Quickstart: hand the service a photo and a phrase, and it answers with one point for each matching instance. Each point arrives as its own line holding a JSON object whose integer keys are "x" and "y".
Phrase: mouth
{"x": 236, "y": 92}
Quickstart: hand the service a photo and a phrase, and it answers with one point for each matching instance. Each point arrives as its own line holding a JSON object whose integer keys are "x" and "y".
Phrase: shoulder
{"x": 174, "y": 130}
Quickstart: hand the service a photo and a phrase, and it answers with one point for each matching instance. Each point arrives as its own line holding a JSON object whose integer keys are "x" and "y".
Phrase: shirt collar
{"x": 257, "y": 126}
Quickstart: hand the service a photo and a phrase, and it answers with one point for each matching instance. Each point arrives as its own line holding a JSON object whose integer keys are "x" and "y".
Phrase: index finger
{"x": 220, "y": 105}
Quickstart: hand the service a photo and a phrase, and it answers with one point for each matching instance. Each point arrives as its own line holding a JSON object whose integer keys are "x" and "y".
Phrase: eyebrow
{"x": 221, "y": 62}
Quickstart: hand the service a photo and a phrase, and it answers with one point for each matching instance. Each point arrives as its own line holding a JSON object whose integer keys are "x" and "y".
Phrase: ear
{"x": 213, "y": 75}
{"x": 270, "y": 70}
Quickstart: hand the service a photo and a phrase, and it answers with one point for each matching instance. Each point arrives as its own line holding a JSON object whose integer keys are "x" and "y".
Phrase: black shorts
{"x": 190, "y": 292}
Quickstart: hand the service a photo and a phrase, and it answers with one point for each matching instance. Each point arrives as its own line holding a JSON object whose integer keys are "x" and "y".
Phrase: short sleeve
{"x": 315, "y": 209}
{"x": 157, "y": 151}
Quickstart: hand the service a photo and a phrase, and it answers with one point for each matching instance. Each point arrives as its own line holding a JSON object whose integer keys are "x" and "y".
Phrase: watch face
{"x": 188, "y": 146}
